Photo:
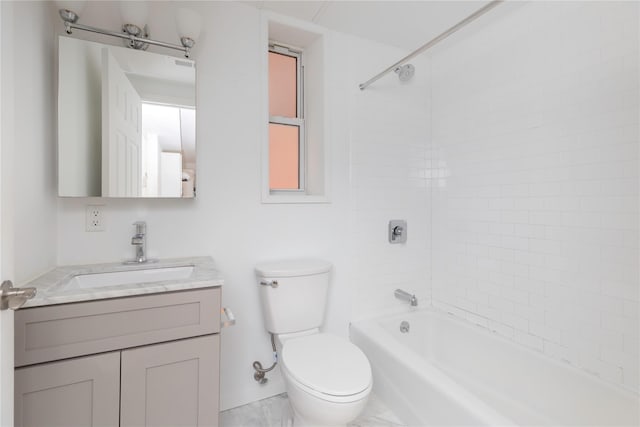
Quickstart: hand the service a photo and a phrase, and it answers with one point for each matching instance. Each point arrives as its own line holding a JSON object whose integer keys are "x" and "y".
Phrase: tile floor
{"x": 268, "y": 413}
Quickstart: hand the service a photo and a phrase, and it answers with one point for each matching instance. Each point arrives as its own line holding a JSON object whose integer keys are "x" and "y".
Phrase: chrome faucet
{"x": 139, "y": 240}
{"x": 406, "y": 296}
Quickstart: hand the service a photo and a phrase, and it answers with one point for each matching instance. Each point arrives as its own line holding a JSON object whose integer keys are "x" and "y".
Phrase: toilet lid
{"x": 292, "y": 267}
{"x": 327, "y": 364}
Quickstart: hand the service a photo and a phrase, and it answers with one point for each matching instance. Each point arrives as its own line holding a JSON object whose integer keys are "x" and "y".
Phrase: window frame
{"x": 297, "y": 121}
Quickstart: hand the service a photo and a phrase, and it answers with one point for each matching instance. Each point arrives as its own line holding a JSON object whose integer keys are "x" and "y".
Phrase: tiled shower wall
{"x": 535, "y": 220}
{"x": 389, "y": 166}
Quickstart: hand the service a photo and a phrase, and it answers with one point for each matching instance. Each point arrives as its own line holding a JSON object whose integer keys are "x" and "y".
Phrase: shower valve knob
{"x": 397, "y": 231}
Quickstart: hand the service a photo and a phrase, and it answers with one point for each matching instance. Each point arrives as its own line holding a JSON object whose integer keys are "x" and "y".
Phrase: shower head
{"x": 405, "y": 72}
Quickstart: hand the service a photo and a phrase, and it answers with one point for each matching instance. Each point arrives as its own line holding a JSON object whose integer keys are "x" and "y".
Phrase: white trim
{"x": 264, "y": 116}
{"x": 288, "y": 121}
{"x": 7, "y": 136}
{"x": 295, "y": 198}
{"x": 317, "y": 127}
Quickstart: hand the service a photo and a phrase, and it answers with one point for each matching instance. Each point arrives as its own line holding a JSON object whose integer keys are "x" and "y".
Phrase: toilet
{"x": 328, "y": 379}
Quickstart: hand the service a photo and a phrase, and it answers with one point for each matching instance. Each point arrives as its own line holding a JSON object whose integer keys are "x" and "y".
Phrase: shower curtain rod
{"x": 434, "y": 41}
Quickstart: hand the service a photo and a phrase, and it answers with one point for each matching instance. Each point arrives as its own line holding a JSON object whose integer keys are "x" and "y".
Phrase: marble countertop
{"x": 53, "y": 287}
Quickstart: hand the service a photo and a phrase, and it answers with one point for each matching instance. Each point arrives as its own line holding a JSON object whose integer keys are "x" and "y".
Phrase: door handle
{"x": 14, "y": 298}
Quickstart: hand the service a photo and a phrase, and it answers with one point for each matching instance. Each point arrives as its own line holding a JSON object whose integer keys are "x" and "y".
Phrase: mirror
{"x": 126, "y": 122}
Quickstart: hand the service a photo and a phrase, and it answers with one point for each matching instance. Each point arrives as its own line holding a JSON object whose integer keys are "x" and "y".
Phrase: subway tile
{"x": 619, "y": 358}
{"x": 501, "y": 329}
{"x": 546, "y": 332}
{"x": 555, "y": 156}
{"x": 630, "y": 377}
{"x": 631, "y": 309}
{"x": 606, "y": 371}
{"x": 528, "y": 340}
{"x": 518, "y": 323}
{"x": 631, "y": 345}
{"x": 627, "y": 291}
{"x": 557, "y": 351}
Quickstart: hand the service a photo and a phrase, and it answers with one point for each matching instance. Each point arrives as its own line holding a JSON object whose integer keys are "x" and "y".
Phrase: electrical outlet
{"x": 94, "y": 218}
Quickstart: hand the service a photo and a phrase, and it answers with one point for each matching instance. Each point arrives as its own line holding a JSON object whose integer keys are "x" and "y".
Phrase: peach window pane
{"x": 283, "y": 157}
{"x": 282, "y": 85}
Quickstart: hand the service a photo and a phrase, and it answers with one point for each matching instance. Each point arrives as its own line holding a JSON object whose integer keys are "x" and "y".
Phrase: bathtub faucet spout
{"x": 406, "y": 296}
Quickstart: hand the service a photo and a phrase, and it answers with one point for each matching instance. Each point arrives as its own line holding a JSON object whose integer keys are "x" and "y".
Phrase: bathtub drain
{"x": 404, "y": 326}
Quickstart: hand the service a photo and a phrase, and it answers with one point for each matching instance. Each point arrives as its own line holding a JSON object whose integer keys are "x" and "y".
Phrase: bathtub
{"x": 446, "y": 371}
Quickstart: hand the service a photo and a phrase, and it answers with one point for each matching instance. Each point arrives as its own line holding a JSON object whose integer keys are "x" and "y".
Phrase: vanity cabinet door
{"x": 76, "y": 392}
{"x": 171, "y": 384}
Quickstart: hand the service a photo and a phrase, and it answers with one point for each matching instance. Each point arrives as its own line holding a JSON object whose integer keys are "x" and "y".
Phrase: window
{"x": 295, "y": 137}
{"x": 286, "y": 120}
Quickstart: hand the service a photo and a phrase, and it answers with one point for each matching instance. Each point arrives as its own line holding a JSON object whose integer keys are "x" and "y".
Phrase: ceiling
{"x": 404, "y": 24}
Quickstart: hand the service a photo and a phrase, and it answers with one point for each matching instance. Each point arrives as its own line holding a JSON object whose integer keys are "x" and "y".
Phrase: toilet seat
{"x": 327, "y": 367}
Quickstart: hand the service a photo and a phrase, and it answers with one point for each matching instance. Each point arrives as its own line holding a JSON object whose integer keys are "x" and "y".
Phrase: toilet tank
{"x": 297, "y": 302}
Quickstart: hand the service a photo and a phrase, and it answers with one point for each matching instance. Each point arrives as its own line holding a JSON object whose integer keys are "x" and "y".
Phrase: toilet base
{"x": 310, "y": 411}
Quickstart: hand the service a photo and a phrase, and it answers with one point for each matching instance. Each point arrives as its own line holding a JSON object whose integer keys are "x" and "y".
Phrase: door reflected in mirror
{"x": 126, "y": 122}
{"x": 168, "y": 144}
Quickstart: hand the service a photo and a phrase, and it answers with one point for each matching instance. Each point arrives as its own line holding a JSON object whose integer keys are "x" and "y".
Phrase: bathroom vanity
{"x": 96, "y": 351}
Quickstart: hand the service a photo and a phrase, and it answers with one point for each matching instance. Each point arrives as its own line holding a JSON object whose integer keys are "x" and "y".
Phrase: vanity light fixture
{"x": 188, "y": 24}
{"x": 135, "y": 31}
{"x": 134, "y": 15}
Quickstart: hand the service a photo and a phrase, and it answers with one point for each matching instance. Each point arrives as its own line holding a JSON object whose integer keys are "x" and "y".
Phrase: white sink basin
{"x": 130, "y": 277}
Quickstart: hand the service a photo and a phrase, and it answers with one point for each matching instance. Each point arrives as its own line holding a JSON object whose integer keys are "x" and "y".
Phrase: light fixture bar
{"x": 69, "y": 26}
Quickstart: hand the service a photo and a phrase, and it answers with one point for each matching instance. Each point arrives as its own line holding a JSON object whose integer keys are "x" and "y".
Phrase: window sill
{"x": 294, "y": 198}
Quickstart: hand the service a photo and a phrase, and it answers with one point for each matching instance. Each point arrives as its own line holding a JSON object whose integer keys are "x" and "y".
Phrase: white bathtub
{"x": 446, "y": 371}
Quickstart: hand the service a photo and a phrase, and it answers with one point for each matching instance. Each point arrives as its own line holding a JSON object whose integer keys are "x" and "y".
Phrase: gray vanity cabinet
{"x": 149, "y": 360}
{"x": 77, "y": 392}
{"x": 171, "y": 384}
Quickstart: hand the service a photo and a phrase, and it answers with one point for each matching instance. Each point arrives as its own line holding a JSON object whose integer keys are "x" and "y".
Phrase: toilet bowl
{"x": 328, "y": 379}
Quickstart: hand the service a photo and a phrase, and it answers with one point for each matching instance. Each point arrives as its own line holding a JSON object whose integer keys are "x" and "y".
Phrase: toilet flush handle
{"x": 272, "y": 283}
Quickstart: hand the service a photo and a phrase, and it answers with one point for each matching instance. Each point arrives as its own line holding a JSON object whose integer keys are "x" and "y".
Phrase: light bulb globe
{"x": 188, "y": 24}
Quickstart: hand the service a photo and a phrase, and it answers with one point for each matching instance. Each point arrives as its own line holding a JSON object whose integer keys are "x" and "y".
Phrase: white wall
{"x": 535, "y": 124}
{"x": 28, "y": 142}
{"x": 227, "y": 220}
